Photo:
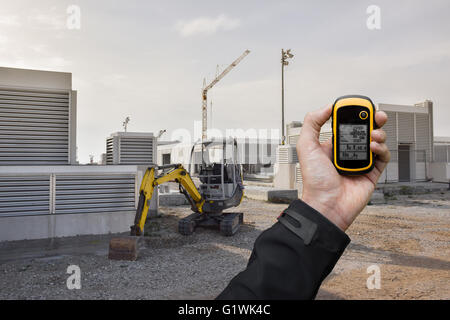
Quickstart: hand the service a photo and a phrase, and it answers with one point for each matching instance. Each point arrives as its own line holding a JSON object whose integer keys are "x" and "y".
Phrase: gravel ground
{"x": 408, "y": 238}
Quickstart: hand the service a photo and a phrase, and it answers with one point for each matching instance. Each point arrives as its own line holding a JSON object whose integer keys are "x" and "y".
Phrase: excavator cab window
{"x": 220, "y": 173}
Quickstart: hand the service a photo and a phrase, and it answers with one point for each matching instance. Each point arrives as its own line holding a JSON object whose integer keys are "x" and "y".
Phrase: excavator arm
{"x": 150, "y": 181}
{"x": 126, "y": 248}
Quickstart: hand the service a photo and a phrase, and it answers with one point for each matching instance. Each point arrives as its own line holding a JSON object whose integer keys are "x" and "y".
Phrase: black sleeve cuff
{"x": 326, "y": 234}
{"x": 283, "y": 266}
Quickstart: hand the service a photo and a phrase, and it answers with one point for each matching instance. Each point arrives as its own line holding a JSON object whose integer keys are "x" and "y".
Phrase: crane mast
{"x": 205, "y": 93}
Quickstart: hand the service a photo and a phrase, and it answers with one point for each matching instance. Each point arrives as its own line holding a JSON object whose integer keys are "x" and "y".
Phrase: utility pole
{"x": 285, "y": 55}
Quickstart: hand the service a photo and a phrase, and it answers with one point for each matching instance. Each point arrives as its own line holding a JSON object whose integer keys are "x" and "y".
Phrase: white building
{"x": 257, "y": 156}
{"x": 287, "y": 169}
{"x": 43, "y": 193}
{"x": 131, "y": 148}
{"x": 410, "y": 140}
{"x": 37, "y": 118}
{"x": 441, "y": 166}
{"x": 409, "y": 133}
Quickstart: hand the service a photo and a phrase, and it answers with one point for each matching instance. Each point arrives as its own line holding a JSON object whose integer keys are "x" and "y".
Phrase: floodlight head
{"x": 161, "y": 132}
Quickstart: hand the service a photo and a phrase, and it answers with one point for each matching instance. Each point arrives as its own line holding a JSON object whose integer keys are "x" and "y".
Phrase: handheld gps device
{"x": 353, "y": 121}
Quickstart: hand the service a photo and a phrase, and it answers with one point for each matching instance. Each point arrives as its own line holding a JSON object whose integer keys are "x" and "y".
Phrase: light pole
{"x": 125, "y": 123}
{"x": 285, "y": 55}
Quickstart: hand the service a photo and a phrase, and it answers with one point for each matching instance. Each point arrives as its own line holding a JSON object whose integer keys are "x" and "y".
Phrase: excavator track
{"x": 186, "y": 226}
{"x": 230, "y": 223}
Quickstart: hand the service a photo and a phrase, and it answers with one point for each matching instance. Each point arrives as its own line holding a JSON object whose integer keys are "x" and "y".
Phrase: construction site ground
{"x": 408, "y": 239}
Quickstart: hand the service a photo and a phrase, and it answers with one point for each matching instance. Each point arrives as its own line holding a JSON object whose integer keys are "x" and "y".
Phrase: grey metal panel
{"x": 298, "y": 174}
{"x": 26, "y": 118}
{"x": 33, "y": 104}
{"x": 30, "y": 108}
{"x": 97, "y": 193}
{"x": 21, "y": 196}
{"x": 405, "y": 127}
{"x": 136, "y": 150}
{"x": 404, "y": 171}
{"x": 391, "y": 134}
{"x": 109, "y": 151}
{"x": 131, "y": 150}
{"x": 34, "y": 127}
{"x": 423, "y": 134}
{"x": 22, "y": 129}
{"x": 31, "y": 93}
{"x": 21, "y": 96}
{"x": 440, "y": 153}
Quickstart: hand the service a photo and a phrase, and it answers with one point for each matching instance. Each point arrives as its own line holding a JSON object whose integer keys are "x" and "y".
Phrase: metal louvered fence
{"x": 34, "y": 127}
{"x": 26, "y": 191}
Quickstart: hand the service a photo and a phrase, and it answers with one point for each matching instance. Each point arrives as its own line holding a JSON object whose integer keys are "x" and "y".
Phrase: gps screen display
{"x": 353, "y": 141}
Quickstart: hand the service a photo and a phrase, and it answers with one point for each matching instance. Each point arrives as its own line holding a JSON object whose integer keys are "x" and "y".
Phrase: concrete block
{"x": 172, "y": 199}
{"x": 256, "y": 193}
{"x": 282, "y": 196}
{"x": 377, "y": 198}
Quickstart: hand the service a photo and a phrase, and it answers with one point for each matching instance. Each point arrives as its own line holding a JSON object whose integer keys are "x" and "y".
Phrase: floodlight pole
{"x": 282, "y": 97}
{"x": 284, "y": 56}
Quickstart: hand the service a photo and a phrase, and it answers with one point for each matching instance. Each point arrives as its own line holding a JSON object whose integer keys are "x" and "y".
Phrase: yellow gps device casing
{"x": 353, "y": 119}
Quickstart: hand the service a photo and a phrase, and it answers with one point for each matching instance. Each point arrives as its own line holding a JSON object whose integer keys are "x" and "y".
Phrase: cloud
{"x": 11, "y": 21}
{"x": 52, "y": 18}
{"x": 48, "y": 21}
{"x": 3, "y": 39}
{"x": 113, "y": 80}
{"x": 206, "y": 26}
{"x": 32, "y": 56}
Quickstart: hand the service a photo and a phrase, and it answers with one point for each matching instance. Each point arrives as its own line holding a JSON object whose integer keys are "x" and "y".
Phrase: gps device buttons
{"x": 363, "y": 115}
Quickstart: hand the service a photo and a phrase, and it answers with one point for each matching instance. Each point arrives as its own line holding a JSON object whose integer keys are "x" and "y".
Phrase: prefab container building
{"x": 131, "y": 148}
{"x": 288, "y": 172}
{"x": 409, "y": 131}
{"x": 37, "y": 118}
{"x": 441, "y": 165}
{"x": 43, "y": 193}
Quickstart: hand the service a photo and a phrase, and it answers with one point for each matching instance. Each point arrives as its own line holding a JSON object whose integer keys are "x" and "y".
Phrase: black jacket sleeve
{"x": 289, "y": 265}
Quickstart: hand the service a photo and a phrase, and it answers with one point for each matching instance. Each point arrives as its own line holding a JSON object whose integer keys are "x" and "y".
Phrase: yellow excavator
{"x": 215, "y": 163}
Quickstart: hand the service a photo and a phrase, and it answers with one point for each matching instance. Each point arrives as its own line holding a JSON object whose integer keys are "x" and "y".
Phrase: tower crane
{"x": 209, "y": 86}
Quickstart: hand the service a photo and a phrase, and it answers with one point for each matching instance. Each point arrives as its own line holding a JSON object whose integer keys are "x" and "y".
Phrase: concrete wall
{"x": 35, "y": 79}
{"x": 440, "y": 172}
{"x": 50, "y": 226}
{"x": 391, "y": 171}
{"x": 284, "y": 176}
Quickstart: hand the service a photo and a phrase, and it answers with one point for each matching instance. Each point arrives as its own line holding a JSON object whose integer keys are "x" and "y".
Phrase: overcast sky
{"x": 147, "y": 59}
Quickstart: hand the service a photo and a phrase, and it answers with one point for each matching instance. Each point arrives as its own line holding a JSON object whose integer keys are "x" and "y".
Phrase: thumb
{"x": 313, "y": 122}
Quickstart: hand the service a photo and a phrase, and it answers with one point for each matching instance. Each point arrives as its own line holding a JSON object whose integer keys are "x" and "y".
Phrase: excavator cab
{"x": 220, "y": 174}
{"x": 215, "y": 163}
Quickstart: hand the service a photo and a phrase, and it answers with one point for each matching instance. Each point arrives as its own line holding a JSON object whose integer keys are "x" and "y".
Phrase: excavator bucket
{"x": 124, "y": 248}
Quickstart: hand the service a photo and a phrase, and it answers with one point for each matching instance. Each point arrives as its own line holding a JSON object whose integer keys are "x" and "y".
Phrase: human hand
{"x": 339, "y": 198}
